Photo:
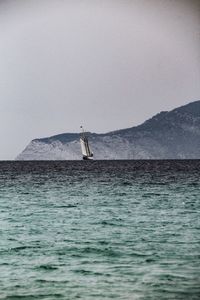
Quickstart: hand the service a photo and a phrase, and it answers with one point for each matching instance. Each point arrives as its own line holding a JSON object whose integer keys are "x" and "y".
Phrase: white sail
{"x": 83, "y": 147}
{"x": 86, "y": 152}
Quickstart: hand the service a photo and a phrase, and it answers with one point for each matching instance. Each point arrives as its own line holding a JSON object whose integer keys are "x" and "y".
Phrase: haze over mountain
{"x": 167, "y": 135}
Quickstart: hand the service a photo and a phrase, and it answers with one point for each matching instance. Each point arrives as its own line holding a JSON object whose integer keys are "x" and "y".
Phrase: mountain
{"x": 167, "y": 135}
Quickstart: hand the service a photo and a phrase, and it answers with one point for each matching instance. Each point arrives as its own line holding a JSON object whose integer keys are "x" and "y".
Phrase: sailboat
{"x": 85, "y": 148}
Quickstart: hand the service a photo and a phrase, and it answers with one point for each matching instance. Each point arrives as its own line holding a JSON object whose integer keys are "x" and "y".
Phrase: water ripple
{"x": 100, "y": 230}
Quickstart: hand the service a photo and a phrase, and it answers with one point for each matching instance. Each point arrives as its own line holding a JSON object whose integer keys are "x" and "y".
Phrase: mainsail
{"x": 87, "y": 153}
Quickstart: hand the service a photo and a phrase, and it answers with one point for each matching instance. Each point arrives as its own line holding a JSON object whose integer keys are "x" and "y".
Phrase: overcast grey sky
{"x": 101, "y": 63}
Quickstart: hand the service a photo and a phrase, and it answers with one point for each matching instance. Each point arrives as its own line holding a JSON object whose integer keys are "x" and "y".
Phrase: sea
{"x": 100, "y": 230}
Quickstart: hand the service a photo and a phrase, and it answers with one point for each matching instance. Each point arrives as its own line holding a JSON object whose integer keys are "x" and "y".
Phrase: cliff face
{"x": 168, "y": 135}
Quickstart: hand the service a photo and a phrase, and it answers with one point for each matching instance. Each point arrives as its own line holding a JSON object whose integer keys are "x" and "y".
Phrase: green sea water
{"x": 100, "y": 230}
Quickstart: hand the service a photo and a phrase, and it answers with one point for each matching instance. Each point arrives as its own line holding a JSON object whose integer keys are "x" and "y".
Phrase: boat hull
{"x": 87, "y": 157}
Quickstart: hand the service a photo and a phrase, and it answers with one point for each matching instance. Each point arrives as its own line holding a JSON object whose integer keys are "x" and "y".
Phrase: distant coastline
{"x": 167, "y": 135}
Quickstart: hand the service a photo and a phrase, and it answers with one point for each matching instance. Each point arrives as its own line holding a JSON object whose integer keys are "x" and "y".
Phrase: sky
{"x": 103, "y": 64}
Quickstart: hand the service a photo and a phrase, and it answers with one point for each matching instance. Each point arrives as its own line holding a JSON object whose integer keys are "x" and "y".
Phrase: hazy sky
{"x": 104, "y": 64}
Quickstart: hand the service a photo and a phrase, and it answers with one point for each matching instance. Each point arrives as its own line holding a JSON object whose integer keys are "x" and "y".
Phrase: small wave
{"x": 21, "y": 248}
{"x": 88, "y": 272}
{"x": 126, "y": 183}
{"x": 65, "y": 206}
{"x": 31, "y": 296}
{"x": 52, "y": 281}
{"x": 139, "y": 254}
{"x": 113, "y": 223}
{"x": 149, "y": 260}
{"x": 47, "y": 267}
{"x": 105, "y": 252}
{"x": 147, "y": 195}
{"x": 103, "y": 242}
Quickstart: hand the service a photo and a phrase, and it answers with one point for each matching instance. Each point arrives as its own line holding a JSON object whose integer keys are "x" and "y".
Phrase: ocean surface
{"x": 100, "y": 230}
